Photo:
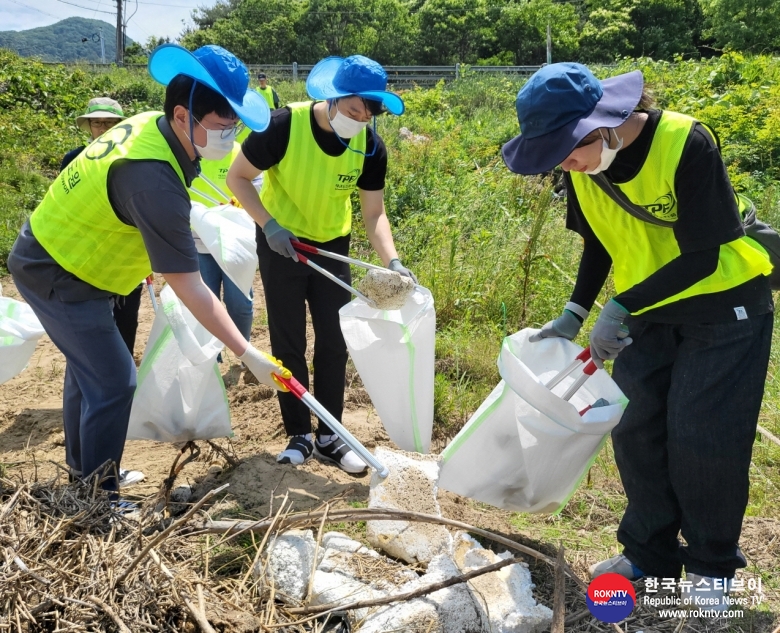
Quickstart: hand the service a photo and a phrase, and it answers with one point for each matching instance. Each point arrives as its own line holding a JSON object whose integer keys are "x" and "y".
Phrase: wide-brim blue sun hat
{"x": 218, "y": 69}
{"x": 335, "y": 77}
{"x": 559, "y": 106}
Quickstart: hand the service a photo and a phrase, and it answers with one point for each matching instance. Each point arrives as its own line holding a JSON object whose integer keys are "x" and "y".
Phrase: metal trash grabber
{"x": 305, "y": 260}
{"x": 150, "y": 288}
{"x": 589, "y": 370}
{"x": 300, "y": 392}
{"x": 308, "y": 248}
{"x": 583, "y": 356}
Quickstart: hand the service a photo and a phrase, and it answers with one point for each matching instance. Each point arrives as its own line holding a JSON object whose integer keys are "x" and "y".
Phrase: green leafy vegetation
{"x": 62, "y": 42}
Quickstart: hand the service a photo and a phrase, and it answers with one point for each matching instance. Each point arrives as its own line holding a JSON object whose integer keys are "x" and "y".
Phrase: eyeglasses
{"x": 104, "y": 124}
{"x": 226, "y": 131}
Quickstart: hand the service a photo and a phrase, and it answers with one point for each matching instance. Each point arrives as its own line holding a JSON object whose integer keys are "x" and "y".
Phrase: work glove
{"x": 396, "y": 266}
{"x": 278, "y": 239}
{"x": 609, "y": 336}
{"x": 565, "y": 326}
{"x": 265, "y": 367}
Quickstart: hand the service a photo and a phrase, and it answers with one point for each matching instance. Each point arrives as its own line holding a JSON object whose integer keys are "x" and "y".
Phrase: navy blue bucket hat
{"x": 335, "y": 77}
{"x": 559, "y": 106}
{"x": 218, "y": 69}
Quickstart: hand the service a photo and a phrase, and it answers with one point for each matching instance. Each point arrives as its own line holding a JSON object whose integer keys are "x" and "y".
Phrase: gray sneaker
{"x": 705, "y": 593}
{"x": 619, "y": 565}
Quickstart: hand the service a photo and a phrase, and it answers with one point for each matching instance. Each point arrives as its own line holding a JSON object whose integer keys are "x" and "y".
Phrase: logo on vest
{"x": 346, "y": 182}
{"x": 103, "y": 144}
{"x": 664, "y": 208}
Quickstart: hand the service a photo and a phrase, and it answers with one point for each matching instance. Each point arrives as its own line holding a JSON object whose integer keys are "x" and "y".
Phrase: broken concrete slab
{"x": 412, "y": 485}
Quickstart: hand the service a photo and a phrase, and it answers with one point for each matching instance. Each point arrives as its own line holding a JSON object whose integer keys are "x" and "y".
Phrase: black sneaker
{"x": 337, "y": 452}
{"x": 298, "y": 451}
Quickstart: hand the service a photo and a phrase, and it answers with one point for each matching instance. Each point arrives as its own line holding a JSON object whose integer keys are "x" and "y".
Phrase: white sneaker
{"x": 130, "y": 477}
{"x": 705, "y": 593}
{"x": 336, "y": 452}
{"x": 619, "y": 565}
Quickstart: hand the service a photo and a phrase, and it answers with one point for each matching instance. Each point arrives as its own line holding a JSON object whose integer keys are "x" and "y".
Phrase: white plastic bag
{"x": 393, "y": 352}
{"x": 180, "y": 394}
{"x": 525, "y": 448}
{"x": 229, "y": 235}
{"x": 20, "y": 330}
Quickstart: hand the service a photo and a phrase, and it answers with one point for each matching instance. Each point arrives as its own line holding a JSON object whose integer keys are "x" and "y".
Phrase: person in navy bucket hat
{"x": 689, "y": 324}
{"x": 314, "y": 156}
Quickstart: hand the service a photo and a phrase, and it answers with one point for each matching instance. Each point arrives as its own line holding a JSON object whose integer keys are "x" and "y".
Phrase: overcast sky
{"x": 153, "y": 17}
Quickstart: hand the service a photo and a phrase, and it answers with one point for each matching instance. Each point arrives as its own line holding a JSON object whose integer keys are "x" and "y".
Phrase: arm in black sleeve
{"x": 276, "y": 99}
{"x": 593, "y": 271}
{"x": 372, "y": 178}
{"x": 267, "y": 148}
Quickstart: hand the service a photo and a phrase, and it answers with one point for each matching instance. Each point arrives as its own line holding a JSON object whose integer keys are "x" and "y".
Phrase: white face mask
{"x": 607, "y": 154}
{"x": 216, "y": 147}
{"x": 344, "y": 126}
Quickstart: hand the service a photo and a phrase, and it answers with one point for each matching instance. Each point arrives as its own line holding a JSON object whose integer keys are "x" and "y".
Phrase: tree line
{"x": 444, "y": 32}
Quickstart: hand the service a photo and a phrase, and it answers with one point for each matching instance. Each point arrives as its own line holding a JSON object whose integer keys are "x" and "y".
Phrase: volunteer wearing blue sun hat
{"x": 314, "y": 155}
{"x": 650, "y": 196}
{"x": 117, "y": 212}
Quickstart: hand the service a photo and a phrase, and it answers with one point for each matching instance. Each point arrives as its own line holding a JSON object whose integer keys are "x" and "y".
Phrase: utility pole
{"x": 549, "y": 45}
{"x": 120, "y": 42}
{"x": 102, "y": 47}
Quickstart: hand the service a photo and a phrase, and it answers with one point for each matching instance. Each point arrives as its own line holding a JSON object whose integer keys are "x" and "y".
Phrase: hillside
{"x": 61, "y": 42}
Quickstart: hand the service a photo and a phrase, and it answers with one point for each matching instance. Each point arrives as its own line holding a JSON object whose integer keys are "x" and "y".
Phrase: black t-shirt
{"x": 707, "y": 217}
{"x": 147, "y": 194}
{"x": 266, "y": 149}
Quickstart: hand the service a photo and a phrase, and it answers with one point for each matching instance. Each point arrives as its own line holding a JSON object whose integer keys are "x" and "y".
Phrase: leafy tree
{"x": 666, "y": 28}
{"x": 609, "y": 31}
{"x": 522, "y": 29}
{"x": 138, "y": 54}
{"x": 749, "y": 26}
{"x": 454, "y": 31}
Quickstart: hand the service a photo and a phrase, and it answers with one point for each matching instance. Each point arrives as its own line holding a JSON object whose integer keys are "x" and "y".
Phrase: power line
{"x": 21, "y": 4}
{"x": 86, "y": 8}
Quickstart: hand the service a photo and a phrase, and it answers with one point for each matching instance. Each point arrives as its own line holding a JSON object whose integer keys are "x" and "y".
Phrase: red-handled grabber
{"x": 308, "y": 248}
{"x": 333, "y": 278}
{"x": 150, "y": 288}
{"x": 589, "y": 370}
{"x": 582, "y": 357}
{"x": 300, "y": 392}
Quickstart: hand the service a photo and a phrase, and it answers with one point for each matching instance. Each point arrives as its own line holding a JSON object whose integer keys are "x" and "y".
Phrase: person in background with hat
{"x": 268, "y": 93}
{"x": 102, "y": 114}
{"x": 692, "y": 292}
{"x": 117, "y": 212}
{"x": 313, "y": 156}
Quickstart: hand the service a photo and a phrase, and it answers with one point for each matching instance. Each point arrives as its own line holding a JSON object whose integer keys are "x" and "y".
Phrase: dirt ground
{"x": 31, "y": 442}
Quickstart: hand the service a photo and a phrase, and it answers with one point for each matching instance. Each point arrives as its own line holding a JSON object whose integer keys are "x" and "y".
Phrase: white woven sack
{"x": 525, "y": 448}
{"x": 180, "y": 394}
{"x": 229, "y": 235}
{"x": 20, "y": 330}
{"x": 393, "y": 352}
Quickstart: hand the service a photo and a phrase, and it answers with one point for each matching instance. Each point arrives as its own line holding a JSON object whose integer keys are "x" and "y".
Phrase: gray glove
{"x": 565, "y": 326}
{"x": 609, "y": 336}
{"x": 396, "y": 265}
{"x": 278, "y": 239}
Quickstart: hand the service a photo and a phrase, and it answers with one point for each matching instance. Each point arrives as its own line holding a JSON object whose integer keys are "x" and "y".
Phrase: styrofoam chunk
{"x": 290, "y": 559}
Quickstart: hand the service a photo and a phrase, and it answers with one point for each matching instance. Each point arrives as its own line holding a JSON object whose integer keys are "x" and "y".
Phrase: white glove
{"x": 264, "y": 367}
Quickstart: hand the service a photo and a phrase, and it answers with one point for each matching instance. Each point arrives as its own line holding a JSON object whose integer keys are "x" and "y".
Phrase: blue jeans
{"x": 100, "y": 379}
{"x": 238, "y": 306}
{"x": 684, "y": 443}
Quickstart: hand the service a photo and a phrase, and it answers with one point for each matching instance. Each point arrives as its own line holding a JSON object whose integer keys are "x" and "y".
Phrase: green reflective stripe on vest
{"x": 75, "y": 222}
{"x": 639, "y": 248}
{"x": 308, "y": 192}
{"x": 268, "y": 94}
{"x": 216, "y": 171}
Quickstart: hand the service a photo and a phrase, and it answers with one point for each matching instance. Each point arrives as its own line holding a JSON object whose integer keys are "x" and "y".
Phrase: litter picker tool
{"x": 332, "y": 277}
{"x": 307, "y": 248}
{"x": 582, "y": 357}
{"x": 589, "y": 370}
{"x": 300, "y": 392}
{"x": 150, "y": 288}
{"x": 217, "y": 190}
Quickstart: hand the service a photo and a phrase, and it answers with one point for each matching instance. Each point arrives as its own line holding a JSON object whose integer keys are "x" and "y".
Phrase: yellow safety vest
{"x": 267, "y": 94}
{"x": 308, "y": 192}
{"x": 216, "y": 171}
{"x": 639, "y": 248}
{"x": 75, "y": 222}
